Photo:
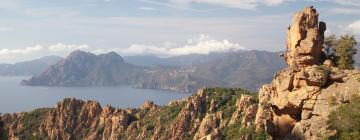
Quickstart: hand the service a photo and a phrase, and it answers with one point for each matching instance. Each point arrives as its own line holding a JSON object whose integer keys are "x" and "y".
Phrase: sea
{"x": 17, "y": 98}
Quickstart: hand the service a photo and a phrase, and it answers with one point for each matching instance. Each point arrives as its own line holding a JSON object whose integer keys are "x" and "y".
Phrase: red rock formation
{"x": 305, "y": 39}
{"x": 295, "y": 105}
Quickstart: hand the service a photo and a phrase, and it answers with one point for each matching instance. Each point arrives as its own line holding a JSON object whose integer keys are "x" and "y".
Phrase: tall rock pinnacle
{"x": 296, "y": 103}
{"x": 305, "y": 39}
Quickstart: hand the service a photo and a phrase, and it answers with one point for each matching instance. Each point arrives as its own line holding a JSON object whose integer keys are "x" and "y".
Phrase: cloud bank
{"x": 9, "y": 55}
{"x": 66, "y": 48}
{"x": 202, "y": 44}
{"x": 25, "y": 51}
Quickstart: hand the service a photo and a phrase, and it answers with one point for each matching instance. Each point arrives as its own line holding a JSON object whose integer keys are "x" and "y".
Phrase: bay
{"x": 17, "y": 98}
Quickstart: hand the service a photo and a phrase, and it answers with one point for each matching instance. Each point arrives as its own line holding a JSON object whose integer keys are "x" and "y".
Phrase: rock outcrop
{"x": 305, "y": 39}
{"x": 297, "y": 102}
{"x": 208, "y": 114}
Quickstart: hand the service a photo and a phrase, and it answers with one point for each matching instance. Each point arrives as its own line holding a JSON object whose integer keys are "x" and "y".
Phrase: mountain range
{"x": 247, "y": 69}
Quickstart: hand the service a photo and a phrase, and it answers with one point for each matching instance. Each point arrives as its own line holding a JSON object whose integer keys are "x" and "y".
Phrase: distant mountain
{"x": 183, "y": 60}
{"x": 28, "y": 68}
{"x": 149, "y": 61}
{"x": 86, "y": 69}
{"x": 246, "y": 69}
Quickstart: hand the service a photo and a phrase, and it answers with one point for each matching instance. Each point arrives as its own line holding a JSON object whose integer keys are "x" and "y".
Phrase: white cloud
{"x": 354, "y": 27}
{"x": 24, "y": 51}
{"x": 274, "y": 2}
{"x": 21, "y": 54}
{"x": 67, "y": 48}
{"x": 147, "y": 8}
{"x": 200, "y": 45}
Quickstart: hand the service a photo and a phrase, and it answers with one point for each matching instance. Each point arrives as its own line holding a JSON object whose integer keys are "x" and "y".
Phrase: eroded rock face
{"x": 297, "y": 102}
{"x": 197, "y": 117}
{"x": 305, "y": 39}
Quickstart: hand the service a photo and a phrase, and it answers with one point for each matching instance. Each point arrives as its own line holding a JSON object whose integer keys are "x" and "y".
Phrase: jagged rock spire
{"x": 305, "y": 39}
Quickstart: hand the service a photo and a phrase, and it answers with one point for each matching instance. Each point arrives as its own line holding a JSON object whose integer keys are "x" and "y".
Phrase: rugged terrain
{"x": 297, "y": 103}
{"x": 246, "y": 69}
{"x": 208, "y": 114}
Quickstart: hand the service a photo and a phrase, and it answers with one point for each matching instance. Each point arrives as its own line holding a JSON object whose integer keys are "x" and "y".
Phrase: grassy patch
{"x": 31, "y": 121}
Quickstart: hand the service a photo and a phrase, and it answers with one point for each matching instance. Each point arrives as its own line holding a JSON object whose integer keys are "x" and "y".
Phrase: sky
{"x": 31, "y": 29}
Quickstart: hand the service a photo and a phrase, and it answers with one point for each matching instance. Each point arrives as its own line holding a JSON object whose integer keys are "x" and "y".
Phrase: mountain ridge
{"x": 226, "y": 70}
{"x": 85, "y": 69}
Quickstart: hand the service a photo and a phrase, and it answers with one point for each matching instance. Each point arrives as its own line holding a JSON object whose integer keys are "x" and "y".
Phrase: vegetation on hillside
{"x": 344, "y": 48}
{"x": 226, "y": 101}
{"x": 146, "y": 122}
{"x": 31, "y": 122}
{"x": 346, "y": 120}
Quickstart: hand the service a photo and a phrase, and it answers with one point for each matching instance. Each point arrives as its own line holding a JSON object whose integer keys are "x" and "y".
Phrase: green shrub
{"x": 32, "y": 120}
{"x": 236, "y": 131}
{"x": 344, "y": 50}
{"x": 100, "y": 130}
{"x": 346, "y": 119}
{"x": 232, "y": 132}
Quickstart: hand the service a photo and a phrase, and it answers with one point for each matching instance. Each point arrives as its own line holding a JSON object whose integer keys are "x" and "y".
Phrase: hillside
{"x": 86, "y": 69}
{"x": 175, "y": 61}
{"x": 246, "y": 69}
{"x": 210, "y": 113}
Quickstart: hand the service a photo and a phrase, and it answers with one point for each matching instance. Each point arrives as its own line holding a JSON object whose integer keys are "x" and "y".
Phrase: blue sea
{"x": 17, "y": 98}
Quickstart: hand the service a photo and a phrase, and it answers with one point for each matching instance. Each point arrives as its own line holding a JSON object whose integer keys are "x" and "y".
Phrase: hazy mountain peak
{"x": 112, "y": 56}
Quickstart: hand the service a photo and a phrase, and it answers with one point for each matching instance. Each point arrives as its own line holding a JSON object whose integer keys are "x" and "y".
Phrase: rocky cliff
{"x": 297, "y": 103}
{"x": 208, "y": 114}
{"x": 86, "y": 69}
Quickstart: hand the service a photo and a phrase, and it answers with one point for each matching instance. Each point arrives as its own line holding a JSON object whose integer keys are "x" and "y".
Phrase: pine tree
{"x": 344, "y": 50}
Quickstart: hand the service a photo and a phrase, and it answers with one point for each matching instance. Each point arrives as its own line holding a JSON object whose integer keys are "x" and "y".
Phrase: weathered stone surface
{"x": 149, "y": 105}
{"x": 305, "y": 39}
{"x": 246, "y": 109}
{"x": 297, "y": 102}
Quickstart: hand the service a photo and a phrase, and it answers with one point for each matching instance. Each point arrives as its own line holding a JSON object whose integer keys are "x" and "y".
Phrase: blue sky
{"x": 34, "y": 28}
